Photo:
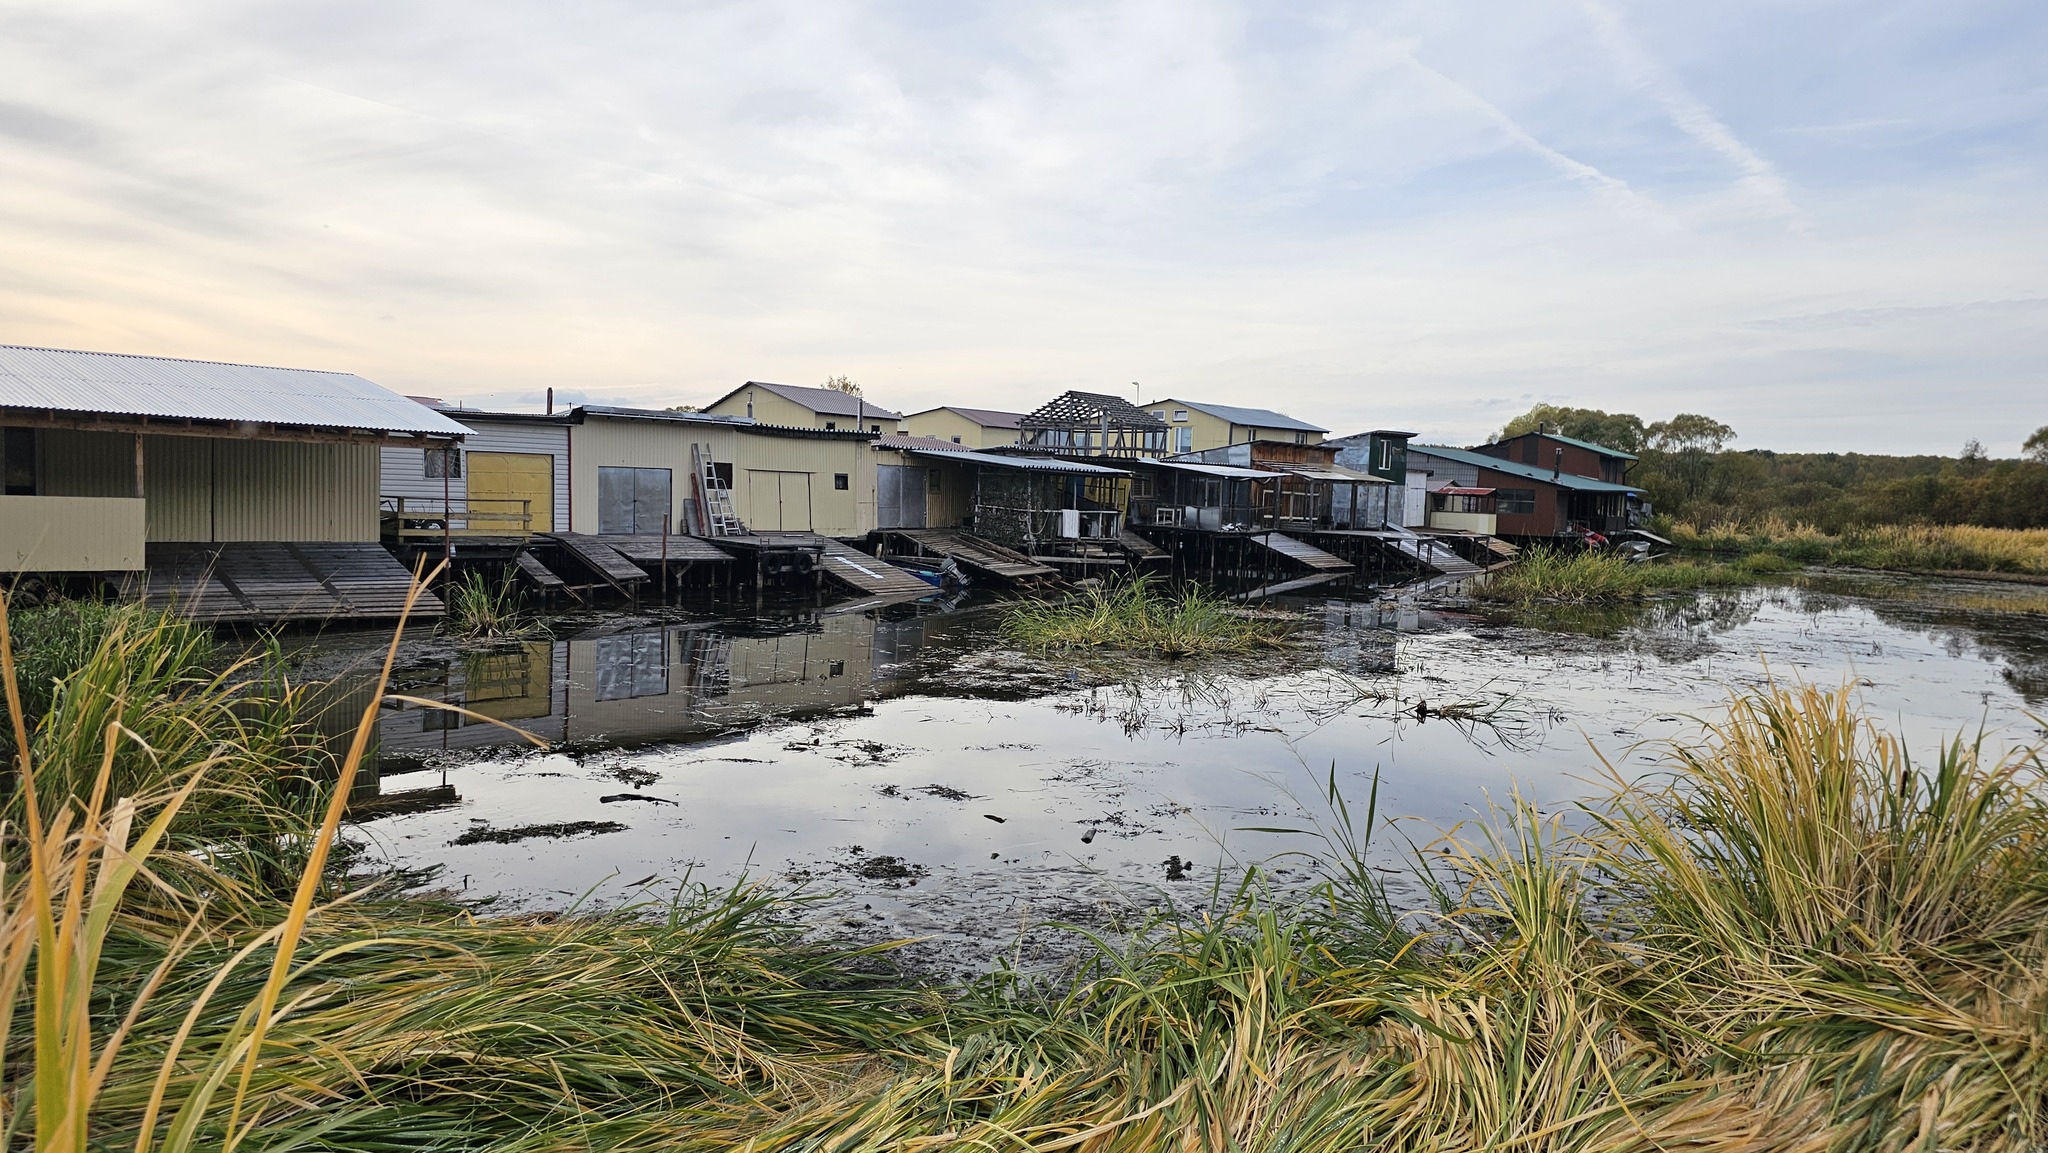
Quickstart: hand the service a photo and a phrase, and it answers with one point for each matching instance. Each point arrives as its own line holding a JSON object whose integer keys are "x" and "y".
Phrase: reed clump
{"x": 480, "y": 608}
{"x": 1586, "y": 576}
{"x": 1137, "y": 616}
{"x": 1902, "y": 547}
{"x": 1796, "y": 937}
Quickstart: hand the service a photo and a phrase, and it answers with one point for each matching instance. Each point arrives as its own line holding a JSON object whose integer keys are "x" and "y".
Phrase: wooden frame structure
{"x": 1093, "y": 424}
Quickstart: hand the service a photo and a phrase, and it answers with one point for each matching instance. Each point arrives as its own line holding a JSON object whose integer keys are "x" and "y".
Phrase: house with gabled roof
{"x": 1197, "y": 426}
{"x": 968, "y": 427}
{"x": 803, "y": 406}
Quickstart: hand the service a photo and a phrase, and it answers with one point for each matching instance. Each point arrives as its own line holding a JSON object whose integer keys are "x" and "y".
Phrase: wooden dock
{"x": 976, "y": 554}
{"x": 1301, "y": 552}
{"x": 871, "y": 575}
{"x": 646, "y": 549}
{"x": 540, "y": 575}
{"x": 597, "y": 555}
{"x": 278, "y": 581}
{"x": 1427, "y": 553}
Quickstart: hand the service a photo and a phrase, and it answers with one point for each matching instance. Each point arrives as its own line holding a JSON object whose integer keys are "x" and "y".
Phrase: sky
{"x": 1824, "y": 223}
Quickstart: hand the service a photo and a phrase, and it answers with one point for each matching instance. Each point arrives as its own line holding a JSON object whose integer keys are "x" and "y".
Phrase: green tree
{"x": 2036, "y": 448}
{"x": 1689, "y": 446}
{"x": 1618, "y": 430}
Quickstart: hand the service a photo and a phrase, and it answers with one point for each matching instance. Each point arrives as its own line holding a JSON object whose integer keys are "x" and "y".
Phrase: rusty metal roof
{"x": 158, "y": 387}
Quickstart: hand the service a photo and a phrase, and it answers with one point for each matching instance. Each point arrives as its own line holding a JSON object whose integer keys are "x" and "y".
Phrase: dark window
{"x": 18, "y": 461}
{"x": 1529, "y": 451}
{"x": 933, "y": 484}
{"x": 831, "y": 426}
{"x": 874, "y": 428}
{"x": 444, "y": 463}
{"x": 1142, "y": 488}
{"x": 1513, "y": 501}
{"x": 839, "y": 480}
{"x": 956, "y": 440}
{"x": 835, "y": 669}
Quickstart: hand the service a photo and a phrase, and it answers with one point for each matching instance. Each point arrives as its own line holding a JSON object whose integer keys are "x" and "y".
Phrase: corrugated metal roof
{"x": 1588, "y": 445}
{"x": 1248, "y": 417}
{"x": 827, "y": 401}
{"x": 985, "y": 417}
{"x": 930, "y": 443}
{"x": 742, "y": 423}
{"x": 1335, "y": 472}
{"x": 118, "y": 384}
{"x": 1230, "y": 471}
{"x": 1515, "y": 468}
{"x": 1023, "y": 463}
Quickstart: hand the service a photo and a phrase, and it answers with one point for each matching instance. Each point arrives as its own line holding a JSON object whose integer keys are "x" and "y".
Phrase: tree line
{"x": 1691, "y": 472}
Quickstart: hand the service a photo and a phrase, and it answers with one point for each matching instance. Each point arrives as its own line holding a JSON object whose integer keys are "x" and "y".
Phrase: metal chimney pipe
{"x": 551, "y": 400}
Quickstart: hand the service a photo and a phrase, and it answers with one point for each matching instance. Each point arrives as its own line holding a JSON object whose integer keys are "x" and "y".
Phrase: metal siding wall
{"x": 601, "y": 441}
{"x": 87, "y": 463}
{"x": 177, "y": 484}
{"x": 275, "y": 490}
{"x": 403, "y": 471}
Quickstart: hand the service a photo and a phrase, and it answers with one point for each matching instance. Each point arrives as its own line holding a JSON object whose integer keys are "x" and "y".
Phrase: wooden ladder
{"x": 720, "y": 518}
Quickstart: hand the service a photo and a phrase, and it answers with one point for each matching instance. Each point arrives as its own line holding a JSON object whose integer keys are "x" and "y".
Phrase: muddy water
{"x": 939, "y": 785}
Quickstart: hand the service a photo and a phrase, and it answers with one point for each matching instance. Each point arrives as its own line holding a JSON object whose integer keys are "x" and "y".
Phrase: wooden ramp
{"x": 601, "y": 558}
{"x": 977, "y": 554}
{"x": 1296, "y": 585}
{"x": 1139, "y": 547}
{"x": 1301, "y": 552}
{"x": 275, "y": 581}
{"x": 870, "y": 575}
{"x": 538, "y": 574}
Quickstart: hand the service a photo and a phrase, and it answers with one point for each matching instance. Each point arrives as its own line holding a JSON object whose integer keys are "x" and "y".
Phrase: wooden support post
{"x": 138, "y": 466}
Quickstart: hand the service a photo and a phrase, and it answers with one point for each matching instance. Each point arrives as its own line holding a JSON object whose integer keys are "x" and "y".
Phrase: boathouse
{"x": 1561, "y": 453}
{"x": 1195, "y": 426}
{"x": 237, "y": 491}
{"x": 1532, "y": 502}
{"x": 509, "y": 478}
{"x": 804, "y": 406}
{"x": 967, "y": 427}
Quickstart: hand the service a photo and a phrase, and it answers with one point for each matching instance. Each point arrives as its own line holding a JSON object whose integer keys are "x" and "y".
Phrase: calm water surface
{"x": 943, "y": 786}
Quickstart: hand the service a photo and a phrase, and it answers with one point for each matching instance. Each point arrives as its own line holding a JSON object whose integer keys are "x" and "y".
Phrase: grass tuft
{"x": 1135, "y": 616}
{"x": 1588, "y": 577}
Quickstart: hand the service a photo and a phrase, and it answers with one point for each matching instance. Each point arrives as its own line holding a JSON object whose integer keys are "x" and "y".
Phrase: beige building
{"x": 1197, "y": 427}
{"x": 631, "y": 470}
{"x": 106, "y": 455}
{"x": 798, "y": 406}
{"x": 969, "y": 427}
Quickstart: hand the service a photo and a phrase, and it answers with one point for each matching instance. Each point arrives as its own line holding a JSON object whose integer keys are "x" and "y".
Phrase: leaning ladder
{"x": 720, "y": 518}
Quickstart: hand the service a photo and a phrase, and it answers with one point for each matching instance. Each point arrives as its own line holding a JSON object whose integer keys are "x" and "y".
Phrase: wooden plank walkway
{"x": 646, "y": 549}
{"x": 1138, "y": 546}
{"x": 278, "y": 581}
{"x": 870, "y": 575}
{"x": 978, "y": 554}
{"x": 601, "y": 559}
{"x": 1296, "y": 585}
{"x": 1301, "y": 552}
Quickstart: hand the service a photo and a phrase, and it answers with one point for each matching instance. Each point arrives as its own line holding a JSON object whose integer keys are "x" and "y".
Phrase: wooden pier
{"x": 978, "y": 555}
{"x": 597, "y": 555}
{"x": 278, "y": 581}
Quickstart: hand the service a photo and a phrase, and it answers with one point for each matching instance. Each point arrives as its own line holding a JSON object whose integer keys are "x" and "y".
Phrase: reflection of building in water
{"x": 636, "y": 687}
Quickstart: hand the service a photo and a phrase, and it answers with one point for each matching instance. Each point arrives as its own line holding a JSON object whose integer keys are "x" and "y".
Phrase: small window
{"x": 839, "y": 480}
{"x": 1511, "y": 501}
{"x": 1180, "y": 414}
{"x": 1160, "y": 413}
{"x": 18, "y": 461}
{"x": 835, "y": 669}
{"x": 956, "y": 440}
{"x": 874, "y": 428}
{"x": 444, "y": 463}
{"x": 1184, "y": 440}
{"x": 1301, "y": 438}
{"x": 831, "y": 426}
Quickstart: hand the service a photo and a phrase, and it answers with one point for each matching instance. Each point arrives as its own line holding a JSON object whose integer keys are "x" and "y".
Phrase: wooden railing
{"x": 412, "y": 518}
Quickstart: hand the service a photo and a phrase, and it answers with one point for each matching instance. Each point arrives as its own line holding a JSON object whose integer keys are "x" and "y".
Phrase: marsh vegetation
{"x": 1138, "y": 616}
{"x": 1931, "y": 548}
{"x": 1585, "y": 576}
{"x": 1792, "y": 935}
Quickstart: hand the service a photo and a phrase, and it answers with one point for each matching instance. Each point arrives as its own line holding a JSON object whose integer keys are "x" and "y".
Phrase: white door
{"x": 1415, "y": 510}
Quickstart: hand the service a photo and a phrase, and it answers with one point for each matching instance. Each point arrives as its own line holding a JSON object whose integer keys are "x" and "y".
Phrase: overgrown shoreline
{"x": 1795, "y": 937}
{"x": 1927, "y": 549}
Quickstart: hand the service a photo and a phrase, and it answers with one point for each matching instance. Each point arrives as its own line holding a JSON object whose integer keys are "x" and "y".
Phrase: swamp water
{"x": 926, "y": 780}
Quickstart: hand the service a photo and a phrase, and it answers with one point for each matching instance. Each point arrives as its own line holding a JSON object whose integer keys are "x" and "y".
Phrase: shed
{"x": 967, "y": 427}
{"x": 107, "y": 455}
{"x": 509, "y": 477}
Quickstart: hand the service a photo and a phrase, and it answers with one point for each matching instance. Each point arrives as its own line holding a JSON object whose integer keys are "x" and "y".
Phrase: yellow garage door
{"x": 499, "y": 481}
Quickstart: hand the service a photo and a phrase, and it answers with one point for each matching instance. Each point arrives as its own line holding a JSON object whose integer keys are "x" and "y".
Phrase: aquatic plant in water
{"x": 1586, "y": 576}
{"x": 1136, "y": 616}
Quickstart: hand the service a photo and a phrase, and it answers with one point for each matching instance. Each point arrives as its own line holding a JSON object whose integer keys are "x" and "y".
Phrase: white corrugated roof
{"x": 1224, "y": 470}
{"x": 117, "y": 384}
{"x": 1022, "y": 463}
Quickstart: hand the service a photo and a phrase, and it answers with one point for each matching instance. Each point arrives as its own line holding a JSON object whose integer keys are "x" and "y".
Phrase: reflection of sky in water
{"x": 781, "y": 759}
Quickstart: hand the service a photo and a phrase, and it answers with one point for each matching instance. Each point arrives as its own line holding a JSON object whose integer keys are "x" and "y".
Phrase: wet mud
{"x": 923, "y": 782}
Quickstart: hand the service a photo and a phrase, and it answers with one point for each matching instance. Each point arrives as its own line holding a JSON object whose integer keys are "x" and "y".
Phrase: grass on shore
{"x": 1907, "y": 548}
{"x": 1136, "y": 616}
{"x": 1589, "y": 577}
{"x": 1795, "y": 939}
{"x": 482, "y": 609}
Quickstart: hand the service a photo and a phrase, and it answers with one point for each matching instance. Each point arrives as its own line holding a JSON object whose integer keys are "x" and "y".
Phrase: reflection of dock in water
{"x": 634, "y": 687}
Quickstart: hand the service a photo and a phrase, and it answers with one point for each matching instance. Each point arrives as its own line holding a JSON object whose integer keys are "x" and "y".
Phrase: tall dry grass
{"x": 1795, "y": 938}
{"x": 1910, "y": 548}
